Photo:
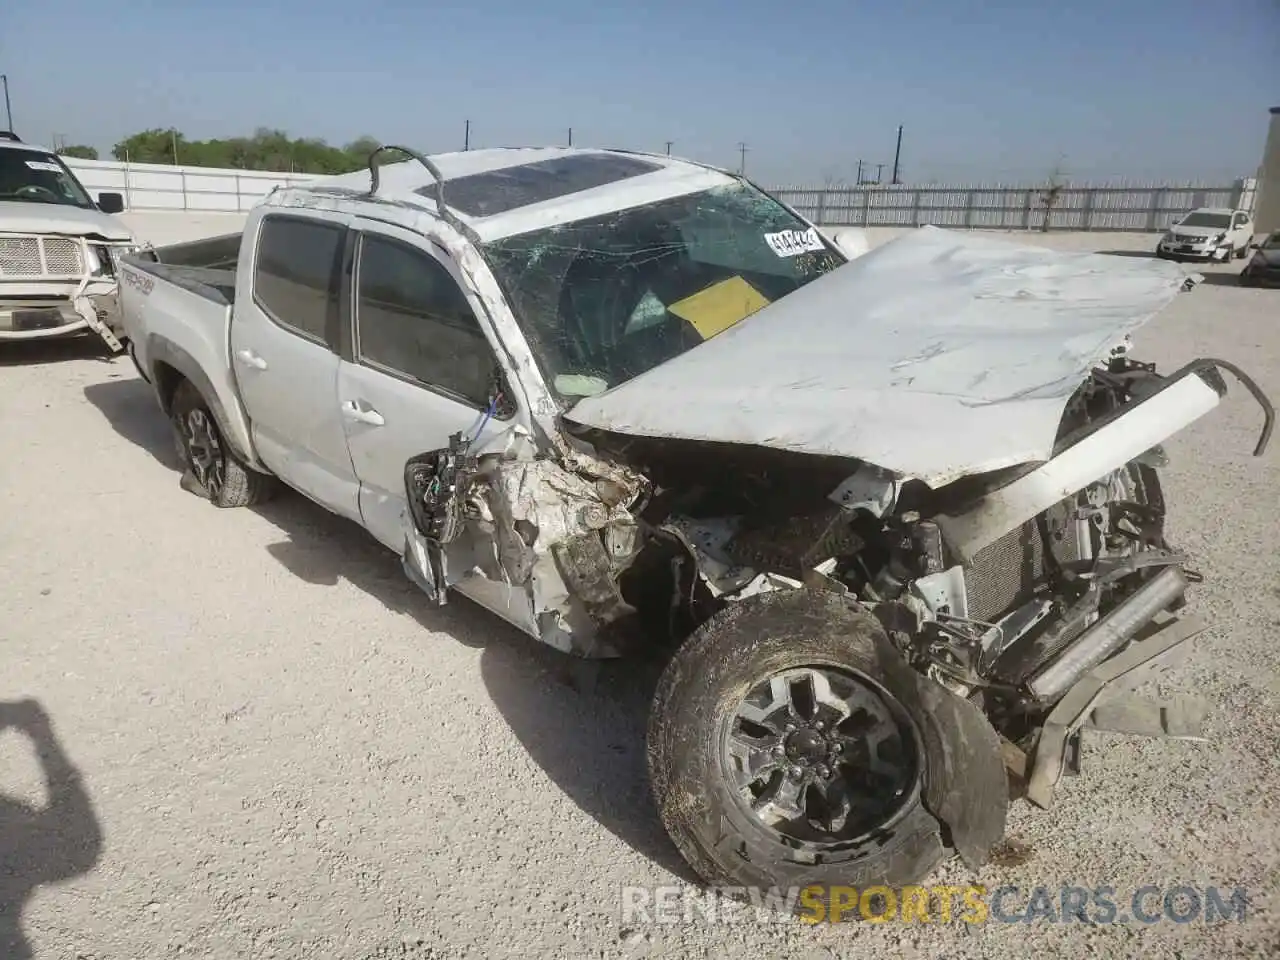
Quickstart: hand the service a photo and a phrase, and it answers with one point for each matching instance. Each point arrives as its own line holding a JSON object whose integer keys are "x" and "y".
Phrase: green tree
{"x": 79, "y": 150}
{"x": 267, "y": 149}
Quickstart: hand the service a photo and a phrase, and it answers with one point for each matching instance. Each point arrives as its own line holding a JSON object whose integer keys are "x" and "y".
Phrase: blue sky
{"x": 987, "y": 90}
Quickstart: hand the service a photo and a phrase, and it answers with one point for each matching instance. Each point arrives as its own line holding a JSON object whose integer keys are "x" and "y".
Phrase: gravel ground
{"x": 284, "y": 751}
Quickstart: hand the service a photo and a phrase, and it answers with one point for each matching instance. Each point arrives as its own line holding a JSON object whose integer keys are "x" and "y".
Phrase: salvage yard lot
{"x": 288, "y": 752}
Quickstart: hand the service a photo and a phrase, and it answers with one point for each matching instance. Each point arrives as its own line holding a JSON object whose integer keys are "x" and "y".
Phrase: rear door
{"x": 284, "y": 340}
{"x": 1241, "y": 229}
{"x": 420, "y": 368}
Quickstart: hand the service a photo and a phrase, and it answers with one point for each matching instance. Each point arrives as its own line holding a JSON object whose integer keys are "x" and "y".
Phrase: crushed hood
{"x": 60, "y": 219}
{"x": 937, "y": 355}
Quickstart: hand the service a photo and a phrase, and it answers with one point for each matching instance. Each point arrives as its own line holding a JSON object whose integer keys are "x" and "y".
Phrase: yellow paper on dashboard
{"x": 720, "y": 306}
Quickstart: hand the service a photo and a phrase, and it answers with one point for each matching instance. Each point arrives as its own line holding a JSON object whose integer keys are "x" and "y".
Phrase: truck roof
{"x": 505, "y": 191}
{"x": 19, "y": 145}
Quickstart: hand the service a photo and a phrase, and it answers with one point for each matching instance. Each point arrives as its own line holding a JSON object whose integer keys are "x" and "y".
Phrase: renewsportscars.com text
{"x": 972, "y": 904}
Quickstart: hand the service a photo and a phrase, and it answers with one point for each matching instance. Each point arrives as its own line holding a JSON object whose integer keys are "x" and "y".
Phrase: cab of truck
{"x": 59, "y": 248}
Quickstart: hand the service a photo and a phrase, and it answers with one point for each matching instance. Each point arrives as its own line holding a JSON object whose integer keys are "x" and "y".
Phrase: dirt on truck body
{"x": 895, "y": 517}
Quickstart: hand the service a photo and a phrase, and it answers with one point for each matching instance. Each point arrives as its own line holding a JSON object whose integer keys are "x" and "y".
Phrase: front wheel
{"x": 211, "y": 469}
{"x": 780, "y": 755}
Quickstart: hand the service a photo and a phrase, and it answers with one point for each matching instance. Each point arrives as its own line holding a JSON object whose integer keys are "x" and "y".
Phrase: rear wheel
{"x": 779, "y": 755}
{"x": 211, "y": 469}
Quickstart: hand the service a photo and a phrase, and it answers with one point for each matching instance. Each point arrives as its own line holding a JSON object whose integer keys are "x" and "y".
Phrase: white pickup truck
{"x": 896, "y": 521}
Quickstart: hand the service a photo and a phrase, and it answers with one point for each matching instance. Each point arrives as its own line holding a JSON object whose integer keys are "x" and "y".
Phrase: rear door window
{"x": 295, "y": 275}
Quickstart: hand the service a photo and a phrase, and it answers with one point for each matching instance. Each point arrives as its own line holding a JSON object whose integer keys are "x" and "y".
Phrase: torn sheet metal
{"x": 937, "y": 355}
{"x": 556, "y": 534}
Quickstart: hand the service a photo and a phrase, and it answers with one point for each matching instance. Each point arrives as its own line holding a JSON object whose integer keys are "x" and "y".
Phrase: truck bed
{"x": 206, "y": 267}
{"x": 212, "y": 284}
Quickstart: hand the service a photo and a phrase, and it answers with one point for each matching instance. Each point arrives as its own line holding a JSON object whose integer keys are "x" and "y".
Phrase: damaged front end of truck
{"x": 898, "y": 568}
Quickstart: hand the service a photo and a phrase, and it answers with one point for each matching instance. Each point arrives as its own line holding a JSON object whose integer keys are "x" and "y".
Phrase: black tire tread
{"x": 772, "y": 632}
{"x": 242, "y": 485}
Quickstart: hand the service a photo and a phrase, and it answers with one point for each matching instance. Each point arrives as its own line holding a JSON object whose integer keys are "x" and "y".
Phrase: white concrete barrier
{"x": 158, "y": 186}
{"x": 163, "y": 227}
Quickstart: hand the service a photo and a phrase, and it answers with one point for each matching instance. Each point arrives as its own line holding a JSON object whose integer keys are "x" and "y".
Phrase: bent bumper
{"x": 1110, "y": 683}
{"x": 51, "y": 319}
{"x": 1207, "y": 252}
{"x": 1181, "y": 399}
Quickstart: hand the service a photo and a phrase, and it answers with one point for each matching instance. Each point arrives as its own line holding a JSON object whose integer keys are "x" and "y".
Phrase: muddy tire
{"x": 726, "y": 784}
{"x": 210, "y": 468}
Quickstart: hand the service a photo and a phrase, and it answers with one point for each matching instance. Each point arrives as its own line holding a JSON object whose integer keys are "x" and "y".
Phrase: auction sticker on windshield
{"x": 792, "y": 243}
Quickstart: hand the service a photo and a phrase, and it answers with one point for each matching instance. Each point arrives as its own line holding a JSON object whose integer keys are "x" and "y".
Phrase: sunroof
{"x": 498, "y": 191}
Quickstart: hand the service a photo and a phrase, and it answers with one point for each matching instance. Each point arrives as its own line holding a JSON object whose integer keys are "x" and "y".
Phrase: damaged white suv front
{"x": 59, "y": 249}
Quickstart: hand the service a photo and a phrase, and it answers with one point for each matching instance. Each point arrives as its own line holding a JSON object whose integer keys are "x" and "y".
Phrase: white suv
{"x": 1208, "y": 233}
{"x": 58, "y": 248}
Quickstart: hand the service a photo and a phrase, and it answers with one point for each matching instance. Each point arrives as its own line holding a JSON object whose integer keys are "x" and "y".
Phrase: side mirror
{"x": 850, "y": 241}
{"x": 111, "y": 203}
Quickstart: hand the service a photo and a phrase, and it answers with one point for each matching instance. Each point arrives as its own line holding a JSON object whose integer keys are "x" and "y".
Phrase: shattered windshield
{"x": 604, "y": 300}
{"x": 28, "y": 176}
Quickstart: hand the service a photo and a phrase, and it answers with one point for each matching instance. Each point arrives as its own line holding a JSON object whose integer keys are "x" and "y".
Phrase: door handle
{"x": 251, "y": 359}
{"x": 352, "y": 411}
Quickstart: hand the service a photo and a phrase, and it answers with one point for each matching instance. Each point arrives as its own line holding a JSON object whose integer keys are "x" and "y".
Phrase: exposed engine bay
{"x": 674, "y": 530}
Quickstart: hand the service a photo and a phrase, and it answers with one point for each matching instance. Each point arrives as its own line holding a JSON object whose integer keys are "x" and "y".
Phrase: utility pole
{"x": 897, "y": 155}
{"x": 669, "y": 143}
{"x": 742, "y": 162}
{"x": 8, "y": 110}
{"x": 571, "y": 136}
{"x": 858, "y": 179}
{"x": 879, "y": 171}
{"x": 173, "y": 136}
{"x": 466, "y": 137}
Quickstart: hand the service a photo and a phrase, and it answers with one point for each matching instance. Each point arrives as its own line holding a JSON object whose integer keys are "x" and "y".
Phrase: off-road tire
{"x": 240, "y": 486}
{"x": 751, "y": 640}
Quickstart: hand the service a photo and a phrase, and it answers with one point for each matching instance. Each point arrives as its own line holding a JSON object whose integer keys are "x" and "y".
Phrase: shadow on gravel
{"x": 1223, "y": 280}
{"x": 1137, "y": 254}
{"x": 40, "y": 845}
{"x": 583, "y": 722}
{"x": 33, "y": 353}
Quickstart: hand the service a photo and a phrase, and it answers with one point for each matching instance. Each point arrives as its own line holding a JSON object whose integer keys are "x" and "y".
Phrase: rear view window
{"x": 498, "y": 191}
{"x": 295, "y": 279}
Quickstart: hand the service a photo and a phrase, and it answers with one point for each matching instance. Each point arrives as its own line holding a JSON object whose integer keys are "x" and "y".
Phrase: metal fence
{"x": 1125, "y": 206}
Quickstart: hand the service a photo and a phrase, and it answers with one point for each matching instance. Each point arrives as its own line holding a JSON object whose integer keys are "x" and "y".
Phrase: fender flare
{"x": 160, "y": 349}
